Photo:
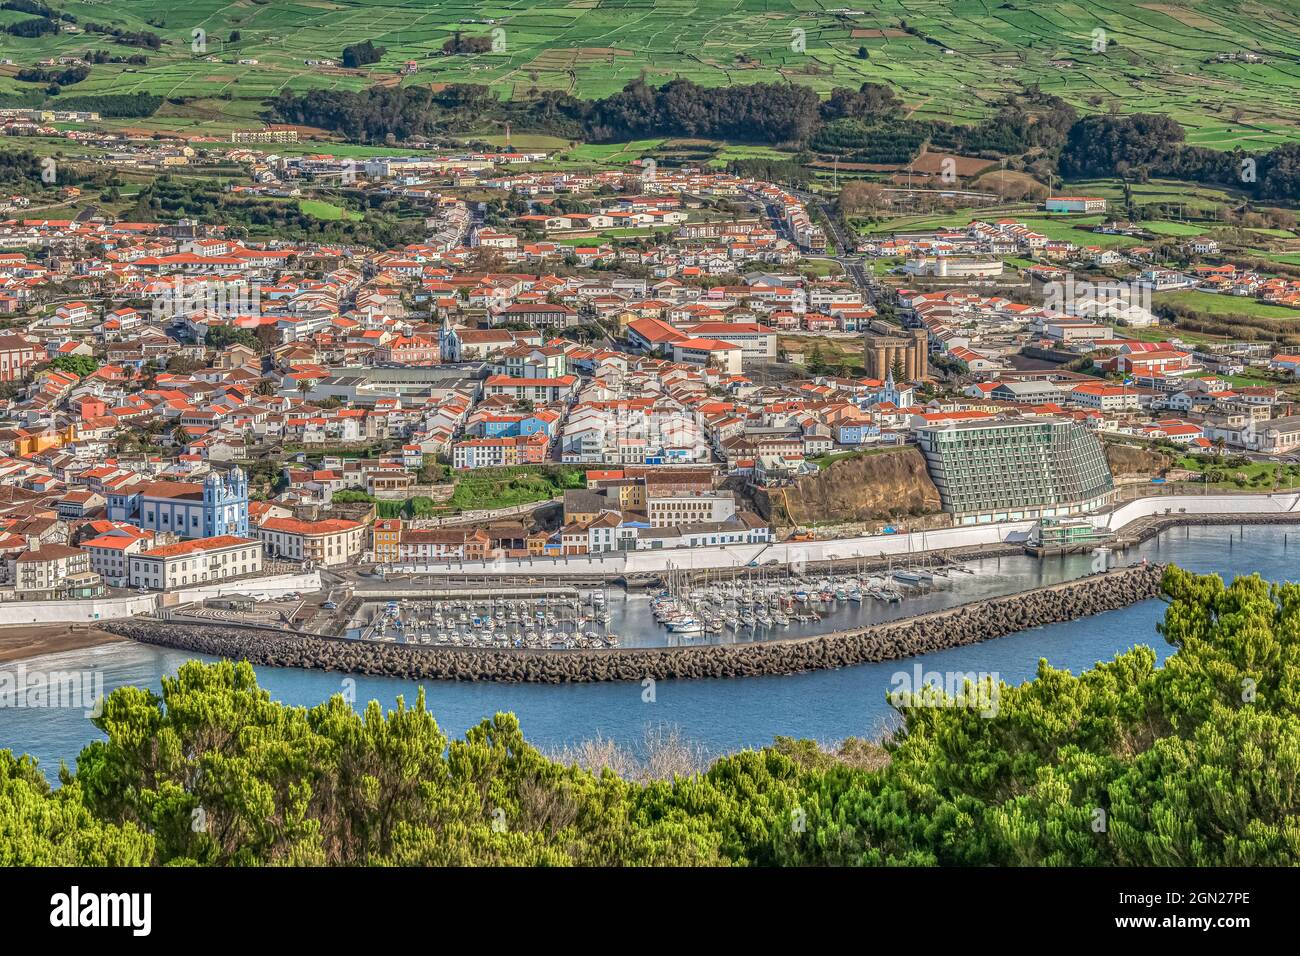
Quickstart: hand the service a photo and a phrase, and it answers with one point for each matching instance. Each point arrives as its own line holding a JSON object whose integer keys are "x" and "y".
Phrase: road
{"x": 845, "y": 243}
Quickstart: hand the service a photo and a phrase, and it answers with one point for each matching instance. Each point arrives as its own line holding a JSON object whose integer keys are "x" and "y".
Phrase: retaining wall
{"x": 70, "y": 612}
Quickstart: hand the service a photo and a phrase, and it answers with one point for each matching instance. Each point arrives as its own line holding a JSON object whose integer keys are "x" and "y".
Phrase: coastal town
{"x": 621, "y": 434}
{"x": 584, "y": 362}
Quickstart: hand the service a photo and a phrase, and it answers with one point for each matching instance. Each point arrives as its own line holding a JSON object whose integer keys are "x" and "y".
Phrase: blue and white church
{"x": 187, "y": 509}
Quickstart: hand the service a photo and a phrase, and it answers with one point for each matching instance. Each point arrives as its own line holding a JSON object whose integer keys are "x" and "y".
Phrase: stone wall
{"x": 955, "y": 627}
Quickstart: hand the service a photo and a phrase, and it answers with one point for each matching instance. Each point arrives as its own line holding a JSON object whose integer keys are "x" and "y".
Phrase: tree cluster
{"x": 361, "y": 54}
{"x": 64, "y": 77}
{"x": 114, "y": 104}
{"x": 167, "y": 199}
{"x": 1145, "y": 144}
{"x": 103, "y": 56}
{"x": 458, "y": 43}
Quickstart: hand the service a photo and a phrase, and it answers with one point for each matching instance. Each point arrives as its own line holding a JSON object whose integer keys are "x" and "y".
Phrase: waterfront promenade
{"x": 1177, "y": 508}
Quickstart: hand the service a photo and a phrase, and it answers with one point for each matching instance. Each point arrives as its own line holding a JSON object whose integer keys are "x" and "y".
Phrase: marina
{"x": 766, "y": 605}
{"x": 564, "y": 619}
{"x": 685, "y": 609}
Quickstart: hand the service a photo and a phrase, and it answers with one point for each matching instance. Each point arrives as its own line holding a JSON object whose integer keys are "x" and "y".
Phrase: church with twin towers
{"x": 187, "y": 509}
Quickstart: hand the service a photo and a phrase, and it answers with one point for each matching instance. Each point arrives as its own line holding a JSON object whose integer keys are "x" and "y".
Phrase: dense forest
{"x": 1148, "y": 144}
{"x": 113, "y": 104}
{"x": 762, "y": 112}
{"x": 1196, "y": 763}
{"x": 105, "y": 104}
{"x": 23, "y": 170}
{"x": 848, "y": 121}
{"x": 60, "y": 76}
{"x": 361, "y": 54}
{"x": 459, "y": 44}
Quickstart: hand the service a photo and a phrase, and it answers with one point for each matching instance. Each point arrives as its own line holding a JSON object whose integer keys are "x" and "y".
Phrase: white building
{"x": 674, "y": 510}
{"x": 755, "y": 341}
{"x": 328, "y": 542}
{"x": 726, "y": 356}
{"x": 199, "y": 561}
{"x": 110, "y": 555}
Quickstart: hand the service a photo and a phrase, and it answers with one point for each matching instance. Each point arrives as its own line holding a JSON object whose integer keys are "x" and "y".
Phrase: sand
{"x": 33, "y": 640}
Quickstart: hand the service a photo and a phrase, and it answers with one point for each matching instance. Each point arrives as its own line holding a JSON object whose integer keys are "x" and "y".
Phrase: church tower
{"x": 445, "y": 340}
{"x": 225, "y": 504}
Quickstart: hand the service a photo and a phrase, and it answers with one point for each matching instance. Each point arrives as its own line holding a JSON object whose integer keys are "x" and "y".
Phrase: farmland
{"x": 946, "y": 59}
{"x": 1076, "y": 229}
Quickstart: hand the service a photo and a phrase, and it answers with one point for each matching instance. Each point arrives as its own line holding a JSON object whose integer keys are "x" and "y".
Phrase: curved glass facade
{"x": 1015, "y": 469}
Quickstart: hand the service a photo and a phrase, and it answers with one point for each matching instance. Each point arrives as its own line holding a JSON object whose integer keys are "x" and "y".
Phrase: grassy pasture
{"x": 1213, "y": 303}
{"x": 320, "y": 209}
{"x": 960, "y": 56}
{"x": 1175, "y": 228}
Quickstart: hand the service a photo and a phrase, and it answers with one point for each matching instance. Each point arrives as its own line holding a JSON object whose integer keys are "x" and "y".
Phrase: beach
{"x": 33, "y": 640}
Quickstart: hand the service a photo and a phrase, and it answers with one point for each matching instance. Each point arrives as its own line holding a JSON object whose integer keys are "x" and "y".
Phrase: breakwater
{"x": 963, "y": 625}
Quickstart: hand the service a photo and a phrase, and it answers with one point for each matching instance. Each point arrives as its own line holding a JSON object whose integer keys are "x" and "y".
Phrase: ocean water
{"x": 717, "y": 715}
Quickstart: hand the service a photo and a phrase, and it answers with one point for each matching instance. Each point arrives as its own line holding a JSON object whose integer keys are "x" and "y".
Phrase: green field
{"x": 1213, "y": 303}
{"x": 1252, "y": 476}
{"x": 1174, "y": 228}
{"x": 954, "y": 59}
{"x": 931, "y": 222}
{"x": 487, "y": 488}
{"x": 1076, "y": 229}
{"x": 611, "y": 153}
{"x": 1192, "y": 198}
{"x": 326, "y": 210}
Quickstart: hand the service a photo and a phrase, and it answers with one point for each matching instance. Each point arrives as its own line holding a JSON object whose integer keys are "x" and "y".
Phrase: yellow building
{"x": 33, "y": 443}
{"x": 386, "y": 537}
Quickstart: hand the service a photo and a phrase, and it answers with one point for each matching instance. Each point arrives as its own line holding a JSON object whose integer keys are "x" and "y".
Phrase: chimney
{"x": 34, "y": 544}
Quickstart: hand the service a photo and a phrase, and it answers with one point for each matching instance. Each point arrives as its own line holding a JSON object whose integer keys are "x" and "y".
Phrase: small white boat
{"x": 913, "y": 576}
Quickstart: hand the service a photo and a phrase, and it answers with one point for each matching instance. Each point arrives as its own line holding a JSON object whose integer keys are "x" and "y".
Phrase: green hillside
{"x": 947, "y": 59}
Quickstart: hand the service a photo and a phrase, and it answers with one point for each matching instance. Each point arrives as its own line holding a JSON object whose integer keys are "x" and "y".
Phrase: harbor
{"x": 768, "y": 603}
{"x": 560, "y": 619}
{"x": 687, "y": 608}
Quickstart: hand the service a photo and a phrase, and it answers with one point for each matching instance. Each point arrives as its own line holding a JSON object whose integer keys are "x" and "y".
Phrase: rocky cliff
{"x": 872, "y": 487}
{"x": 1135, "y": 460}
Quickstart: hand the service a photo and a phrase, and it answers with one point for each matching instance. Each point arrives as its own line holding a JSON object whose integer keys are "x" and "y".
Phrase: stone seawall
{"x": 956, "y": 627}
